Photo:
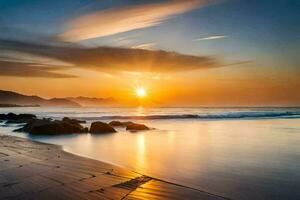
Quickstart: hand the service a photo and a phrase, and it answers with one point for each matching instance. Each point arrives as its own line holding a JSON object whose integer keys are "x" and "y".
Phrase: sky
{"x": 182, "y": 52}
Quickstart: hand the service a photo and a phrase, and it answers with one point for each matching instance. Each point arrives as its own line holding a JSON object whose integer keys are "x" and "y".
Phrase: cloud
{"x": 110, "y": 59}
{"x": 113, "y": 21}
{"x": 214, "y": 37}
{"x": 147, "y": 46}
{"x": 25, "y": 69}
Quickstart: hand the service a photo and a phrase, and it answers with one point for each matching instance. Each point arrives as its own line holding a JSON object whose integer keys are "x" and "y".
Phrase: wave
{"x": 230, "y": 115}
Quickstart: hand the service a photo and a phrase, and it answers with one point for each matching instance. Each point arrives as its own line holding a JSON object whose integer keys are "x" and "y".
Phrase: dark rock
{"x": 73, "y": 121}
{"x": 18, "y": 121}
{"x": 131, "y": 126}
{"x": 26, "y": 116}
{"x": 137, "y": 127}
{"x": 127, "y": 123}
{"x": 12, "y": 116}
{"x": 118, "y": 123}
{"x": 85, "y": 130}
{"x": 49, "y": 119}
{"x": 101, "y": 127}
{"x": 50, "y": 127}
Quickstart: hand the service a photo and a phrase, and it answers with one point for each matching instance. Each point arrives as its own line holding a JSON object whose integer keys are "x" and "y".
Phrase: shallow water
{"x": 253, "y": 156}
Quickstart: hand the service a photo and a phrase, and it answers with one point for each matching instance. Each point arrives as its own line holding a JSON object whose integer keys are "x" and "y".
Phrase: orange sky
{"x": 226, "y": 86}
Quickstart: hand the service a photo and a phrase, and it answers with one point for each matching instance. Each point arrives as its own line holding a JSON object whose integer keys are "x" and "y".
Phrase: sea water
{"x": 240, "y": 153}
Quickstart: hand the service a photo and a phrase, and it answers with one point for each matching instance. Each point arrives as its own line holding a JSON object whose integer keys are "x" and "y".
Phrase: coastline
{"x": 36, "y": 170}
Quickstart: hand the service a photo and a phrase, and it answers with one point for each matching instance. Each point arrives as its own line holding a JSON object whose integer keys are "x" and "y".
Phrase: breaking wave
{"x": 229, "y": 115}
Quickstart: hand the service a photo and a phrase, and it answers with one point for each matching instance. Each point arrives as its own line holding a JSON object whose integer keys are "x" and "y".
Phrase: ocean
{"x": 239, "y": 153}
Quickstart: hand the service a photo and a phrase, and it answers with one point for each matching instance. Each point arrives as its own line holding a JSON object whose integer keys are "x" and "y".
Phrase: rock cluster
{"x": 14, "y": 118}
{"x": 48, "y": 126}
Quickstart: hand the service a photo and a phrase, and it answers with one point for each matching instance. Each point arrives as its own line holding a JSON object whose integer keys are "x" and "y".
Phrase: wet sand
{"x": 34, "y": 170}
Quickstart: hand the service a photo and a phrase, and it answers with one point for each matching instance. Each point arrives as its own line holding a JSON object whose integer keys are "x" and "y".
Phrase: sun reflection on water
{"x": 141, "y": 151}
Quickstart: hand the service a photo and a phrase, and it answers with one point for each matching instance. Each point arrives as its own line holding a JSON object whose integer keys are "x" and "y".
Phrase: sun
{"x": 140, "y": 92}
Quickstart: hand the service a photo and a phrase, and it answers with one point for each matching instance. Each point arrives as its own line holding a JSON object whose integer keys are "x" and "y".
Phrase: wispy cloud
{"x": 123, "y": 41}
{"x": 113, "y": 21}
{"x": 147, "y": 46}
{"x": 213, "y": 37}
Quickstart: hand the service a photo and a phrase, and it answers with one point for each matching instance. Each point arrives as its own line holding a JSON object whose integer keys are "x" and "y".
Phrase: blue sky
{"x": 252, "y": 28}
{"x": 263, "y": 34}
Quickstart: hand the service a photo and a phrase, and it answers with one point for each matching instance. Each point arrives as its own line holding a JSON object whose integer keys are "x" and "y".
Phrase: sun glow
{"x": 140, "y": 92}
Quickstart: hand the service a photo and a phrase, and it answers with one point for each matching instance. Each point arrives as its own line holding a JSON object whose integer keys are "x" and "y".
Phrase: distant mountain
{"x": 92, "y": 102}
{"x": 60, "y": 102}
{"x": 15, "y": 105}
{"x": 8, "y": 97}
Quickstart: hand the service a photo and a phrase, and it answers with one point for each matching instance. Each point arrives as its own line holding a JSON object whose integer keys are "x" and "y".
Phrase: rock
{"x": 131, "y": 126}
{"x": 73, "y": 121}
{"x": 118, "y": 123}
{"x": 18, "y": 121}
{"x": 50, "y": 127}
{"x": 12, "y": 116}
{"x": 101, "y": 127}
{"x": 26, "y": 116}
{"x": 137, "y": 127}
{"x": 127, "y": 123}
{"x": 85, "y": 130}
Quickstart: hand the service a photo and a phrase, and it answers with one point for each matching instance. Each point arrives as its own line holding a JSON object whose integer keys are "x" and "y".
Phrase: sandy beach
{"x": 34, "y": 170}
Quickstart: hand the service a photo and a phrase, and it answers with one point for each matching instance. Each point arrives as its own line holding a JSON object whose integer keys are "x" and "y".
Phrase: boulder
{"x": 73, "y": 121}
{"x": 127, "y": 123}
{"x": 16, "y": 119}
{"x": 119, "y": 123}
{"x": 116, "y": 123}
{"x": 101, "y": 127}
{"x": 26, "y": 116}
{"x": 2, "y": 116}
{"x": 85, "y": 130}
{"x": 9, "y": 116}
{"x": 137, "y": 127}
{"x": 12, "y": 116}
{"x": 50, "y": 127}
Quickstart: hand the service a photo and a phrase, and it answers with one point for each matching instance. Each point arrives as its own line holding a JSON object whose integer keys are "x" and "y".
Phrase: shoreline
{"x": 152, "y": 177}
{"x": 34, "y": 170}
